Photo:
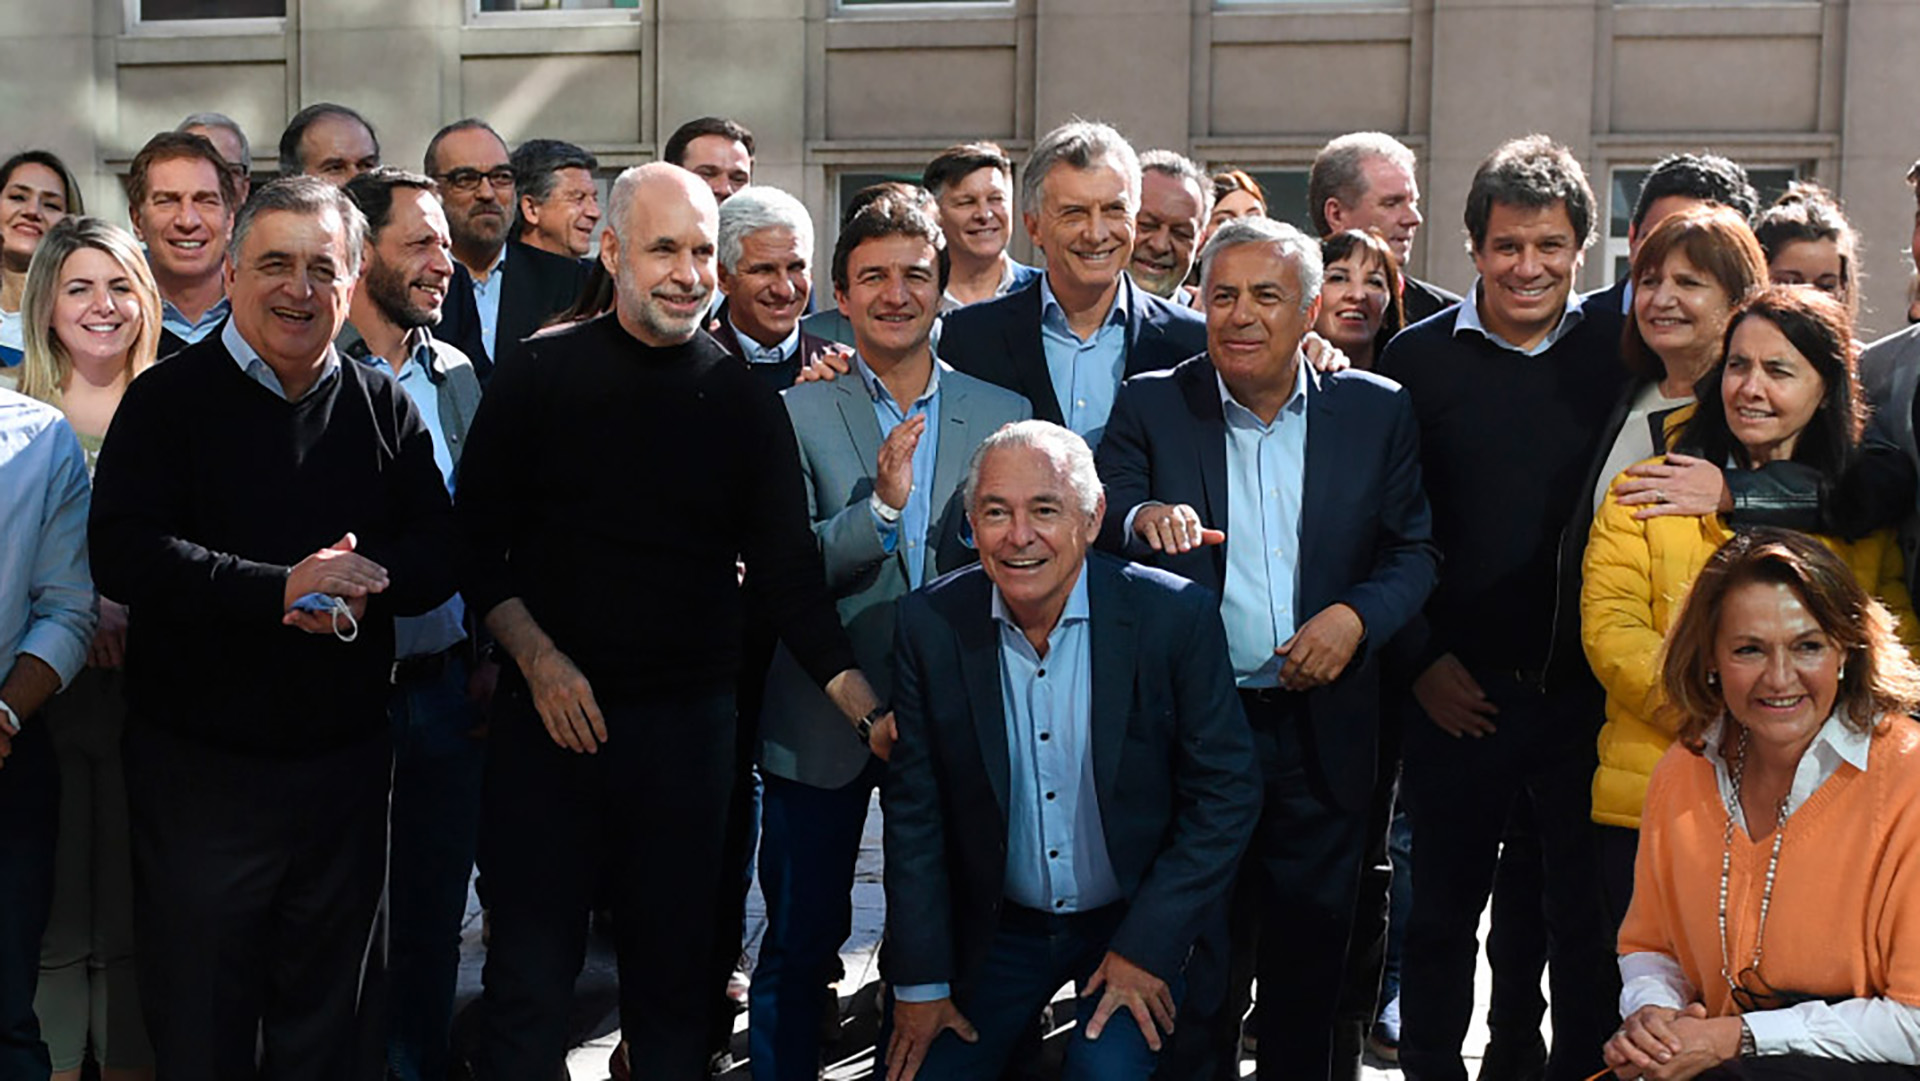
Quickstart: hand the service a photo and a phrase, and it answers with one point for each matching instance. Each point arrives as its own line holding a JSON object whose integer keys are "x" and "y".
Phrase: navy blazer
{"x": 999, "y": 341}
{"x": 1173, "y": 763}
{"x": 538, "y": 286}
{"x": 1366, "y": 533}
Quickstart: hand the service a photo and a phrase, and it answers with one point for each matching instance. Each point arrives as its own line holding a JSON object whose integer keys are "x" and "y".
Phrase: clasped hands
{"x": 1661, "y": 1043}
{"x": 336, "y": 570}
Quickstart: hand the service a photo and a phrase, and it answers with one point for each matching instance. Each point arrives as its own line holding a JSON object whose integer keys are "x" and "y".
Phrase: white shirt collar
{"x": 765, "y": 354}
{"x": 1469, "y": 319}
{"x": 1836, "y": 743}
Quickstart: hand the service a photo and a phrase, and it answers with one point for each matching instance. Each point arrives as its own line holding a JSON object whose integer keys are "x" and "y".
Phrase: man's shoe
{"x": 1519, "y": 1056}
{"x": 1384, "y": 1038}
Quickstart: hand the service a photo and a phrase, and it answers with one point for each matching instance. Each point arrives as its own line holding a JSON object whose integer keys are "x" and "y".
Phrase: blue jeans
{"x": 809, "y": 843}
{"x": 1032, "y": 954}
{"x": 435, "y": 821}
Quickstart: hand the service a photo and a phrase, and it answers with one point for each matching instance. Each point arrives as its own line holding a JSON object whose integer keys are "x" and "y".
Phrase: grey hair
{"x": 1293, "y": 245}
{"x": 1081, "y": 144}
{"x": 1065, "y": 449}
{"x": 536, "y": 172}
{"x": 224, "y": 123}
{"x": 756, "y": 207}
{"x": 1339, "y": 170}
{"x": 303, "y": 195}
{"x": 1180, "y": 167}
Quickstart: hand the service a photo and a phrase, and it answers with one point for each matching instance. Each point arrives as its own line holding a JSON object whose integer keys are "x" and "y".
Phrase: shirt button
{"x": 1049, "y": 795}
{"x": 1060, "y": 904}
{"x": 1041, "y": 674}
{"x": 1080, "y": 404}
{"x": 1045, "y": 736}
{"x": 1053, "y": 853}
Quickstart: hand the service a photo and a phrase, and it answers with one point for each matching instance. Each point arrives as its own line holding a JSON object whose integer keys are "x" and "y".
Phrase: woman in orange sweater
{"x": 1776, "y": 905}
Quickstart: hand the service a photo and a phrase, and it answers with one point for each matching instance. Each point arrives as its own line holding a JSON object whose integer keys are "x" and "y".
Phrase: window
{"x": 1624, "y": 190}
{"x": 1286, "y": 194}
{"x": 151, "y": 11}
{"x": 556, "y": 5}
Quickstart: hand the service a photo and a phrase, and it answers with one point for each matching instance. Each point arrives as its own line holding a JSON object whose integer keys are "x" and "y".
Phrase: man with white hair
{"x": 611, "y": 751}
{"x": 1295, "y": 497}
{"x": 766, "y": 271}
{"x": 1073, "y": 781}
{"x": 1176, "y": 198}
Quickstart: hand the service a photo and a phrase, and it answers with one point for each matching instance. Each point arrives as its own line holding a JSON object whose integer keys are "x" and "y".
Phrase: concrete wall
{"x": 1826, "y": 86}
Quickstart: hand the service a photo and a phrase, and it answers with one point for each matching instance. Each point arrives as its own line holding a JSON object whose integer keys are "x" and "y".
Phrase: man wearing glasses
{"x": 502, "y": 289}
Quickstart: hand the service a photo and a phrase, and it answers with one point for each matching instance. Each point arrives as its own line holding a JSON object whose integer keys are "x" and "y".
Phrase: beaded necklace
{"x": 1726, "y": 871}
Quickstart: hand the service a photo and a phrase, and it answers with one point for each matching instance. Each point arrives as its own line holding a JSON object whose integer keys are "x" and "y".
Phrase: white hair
{"x": 1293, "y": 245}
{"x": 1081, "y": 144}
{"x": 1066, "y": 450}
{"x": 756, "y": 207}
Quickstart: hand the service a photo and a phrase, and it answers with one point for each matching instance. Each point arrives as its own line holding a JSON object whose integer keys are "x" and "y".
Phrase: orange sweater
{"x": 1845, "y": 920}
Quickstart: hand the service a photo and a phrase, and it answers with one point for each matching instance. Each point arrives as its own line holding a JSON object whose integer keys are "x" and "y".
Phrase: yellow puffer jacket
{"x": 1635, "y": 577}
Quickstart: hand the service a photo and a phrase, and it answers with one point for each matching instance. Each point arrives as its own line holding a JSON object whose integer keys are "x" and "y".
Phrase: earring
{"x": 1713, "y": 679}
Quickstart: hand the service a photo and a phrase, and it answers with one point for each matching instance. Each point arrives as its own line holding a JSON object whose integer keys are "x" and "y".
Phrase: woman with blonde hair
{"x": 92, "y": 324}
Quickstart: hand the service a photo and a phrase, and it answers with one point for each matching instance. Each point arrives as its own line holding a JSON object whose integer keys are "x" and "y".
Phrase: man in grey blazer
{"x": 883, "y": 454}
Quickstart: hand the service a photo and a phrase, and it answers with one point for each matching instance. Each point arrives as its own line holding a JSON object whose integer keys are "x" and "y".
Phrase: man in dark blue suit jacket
{"x": 1072, "y": 785}
{"x": 1067, "y": 340}
{"x": 1326, "y": 553}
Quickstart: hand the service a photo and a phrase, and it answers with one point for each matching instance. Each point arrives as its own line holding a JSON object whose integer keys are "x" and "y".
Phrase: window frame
{"x": 208, "y": 27}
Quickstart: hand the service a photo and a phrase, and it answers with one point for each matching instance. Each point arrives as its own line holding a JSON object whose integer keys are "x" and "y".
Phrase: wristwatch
{"x": 13, "y": 721}
{"x": 1748, "y": 1048}
{"x": 881, "y": 510}
{"x": 864, "y": 726}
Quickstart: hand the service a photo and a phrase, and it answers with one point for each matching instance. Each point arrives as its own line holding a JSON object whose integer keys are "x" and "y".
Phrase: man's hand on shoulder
{"x": 1325, "y": 356}
{"x": 833, "y": 362}
{"x": 1130, "y": 987}
{"x": 915, "y": 1026}
{"x": 1681, "y": 484}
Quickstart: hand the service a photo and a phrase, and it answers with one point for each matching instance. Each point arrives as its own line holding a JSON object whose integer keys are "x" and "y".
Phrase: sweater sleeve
{"x": 1648, "y": 927}
{"x": 1616, "y": 609}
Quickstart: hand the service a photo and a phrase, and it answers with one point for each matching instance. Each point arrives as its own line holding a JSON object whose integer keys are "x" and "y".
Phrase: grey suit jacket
{"x": 802, "y": 736}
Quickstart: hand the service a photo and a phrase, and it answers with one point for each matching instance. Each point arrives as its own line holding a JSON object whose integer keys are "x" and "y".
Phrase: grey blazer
{"x": 802, "y": 736}
{"x": 1889, "y": 373}
{"x": 456, "y": 385}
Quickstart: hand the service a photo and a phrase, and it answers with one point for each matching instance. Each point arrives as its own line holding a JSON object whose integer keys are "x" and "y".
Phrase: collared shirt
{"x": 1469, "y": 319}
{"x": 1056, "y": 844}
{"x": 192, "y": 330}
{"x": 1086, "y": 374}
{"x": 445, "y": 626}
{"x": 766, "y": 354}
{"x": 250, "y": 362}
{"x": 916, "y": 518}
{"x": 486, "y": 297}
{"x": 13, "y": 347}
{"x": 46, "y": 587}
{"x": 1861, "y": 1029}
{"x": 948, "y": 301}
{"x": 1266, "y": 468}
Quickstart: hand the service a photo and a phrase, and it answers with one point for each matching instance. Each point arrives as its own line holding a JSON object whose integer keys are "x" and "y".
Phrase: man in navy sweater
{"x": 250, "y": 471}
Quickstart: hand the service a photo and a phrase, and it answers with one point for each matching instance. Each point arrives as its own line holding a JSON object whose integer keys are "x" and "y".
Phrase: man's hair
{"x": 889, "y": 213}
{"x": 224, "y": 123}
{"x": 290, "y": 163}
{"x": 1340, "y": 171}
{"x": 175, "y": 146}
{"x": 372, "y": 192}
{"x": 1532, "y": 172}
{"x": 1180, "y": 167}
{"x": 302, "y": 195}
{"x": 676, "y": 148}
{"x": 76, "y": 204}
{"x": 761, "y": 207}
{"x": 1066, "y": 450}
{"x": 471, "y": 123}
{"x": 913, "y": 193}
{"x": 1293, "y": 245}
{"x": 956, "y": 163}
{"x": 1709, "y": 178}
{"x": 536, "y": 171}
{"x": 1081, "y": 144}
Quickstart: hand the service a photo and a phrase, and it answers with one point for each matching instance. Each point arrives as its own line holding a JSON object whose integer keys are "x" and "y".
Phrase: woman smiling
{"x": 36, "y": 191}
{"x": 1360, "y": 298}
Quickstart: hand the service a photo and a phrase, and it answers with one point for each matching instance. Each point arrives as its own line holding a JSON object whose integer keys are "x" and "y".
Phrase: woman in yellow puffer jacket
{"x": 1784, "y": 392}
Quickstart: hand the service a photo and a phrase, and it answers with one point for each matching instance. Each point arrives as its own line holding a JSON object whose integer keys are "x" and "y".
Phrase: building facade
{"x": 841, "y": 91}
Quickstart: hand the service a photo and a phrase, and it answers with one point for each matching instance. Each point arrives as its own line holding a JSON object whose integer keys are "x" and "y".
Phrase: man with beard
{"x": 611, "y": 743}
{"x": 437, "y": 760}
{"x": 502, "y": 290}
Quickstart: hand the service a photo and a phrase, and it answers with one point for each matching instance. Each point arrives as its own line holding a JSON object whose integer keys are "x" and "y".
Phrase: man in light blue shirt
{"x": 46, "y": 625}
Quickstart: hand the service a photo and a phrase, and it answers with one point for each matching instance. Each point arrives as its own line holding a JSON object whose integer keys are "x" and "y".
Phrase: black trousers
{"x": 1288, "y": 920}
{"x": 1808, "y": 1068}
{"x": 1460, "y": 794}
{"x": 255, "y": 883}
{"x": 30, "y": 807}
{"x": 646, "y": 816}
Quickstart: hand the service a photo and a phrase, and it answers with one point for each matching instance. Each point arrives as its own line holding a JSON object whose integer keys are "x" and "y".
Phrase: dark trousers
{"x": 436, "y": 819}
{"x": 255, "y": 884}
{"x": 1289, "y": 920}
{"x": 30, "y": 807}
{"x": 809, "y": 843}
{"x": 648, "y": 812}
{"x": 1807, "y": 1068}
{"x": 1461, "y": 793}
{"x": 1517, "y": 944}
{"x": 1032, "y": 954}
{"x": 1619, "y": 847}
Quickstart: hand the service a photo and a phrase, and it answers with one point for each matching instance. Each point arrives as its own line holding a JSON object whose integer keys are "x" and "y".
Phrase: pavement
{"x": 596, "y": 1015}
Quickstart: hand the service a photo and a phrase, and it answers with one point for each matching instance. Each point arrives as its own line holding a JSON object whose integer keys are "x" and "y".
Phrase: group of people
{"x": 1222, "y": 615}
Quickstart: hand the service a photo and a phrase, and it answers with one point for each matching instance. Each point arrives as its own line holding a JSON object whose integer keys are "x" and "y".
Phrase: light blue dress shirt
{"x": 249, "y": 360}
{"x": 1086, "y": 374}
{"x": 763, "y": 354}
{"x": 445, "y": 626}
{"x": 1469, "y": 319}
{"x": 486, "y": 297}
{"x": 46, "y": 586}
{"x": 917, "y": 516}
{"x": 192, "y": 330}
{"x": 1266, "y": 470}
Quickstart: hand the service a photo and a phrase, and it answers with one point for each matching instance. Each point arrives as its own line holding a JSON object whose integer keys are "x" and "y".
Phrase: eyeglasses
{"x": 466, "y": 180}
